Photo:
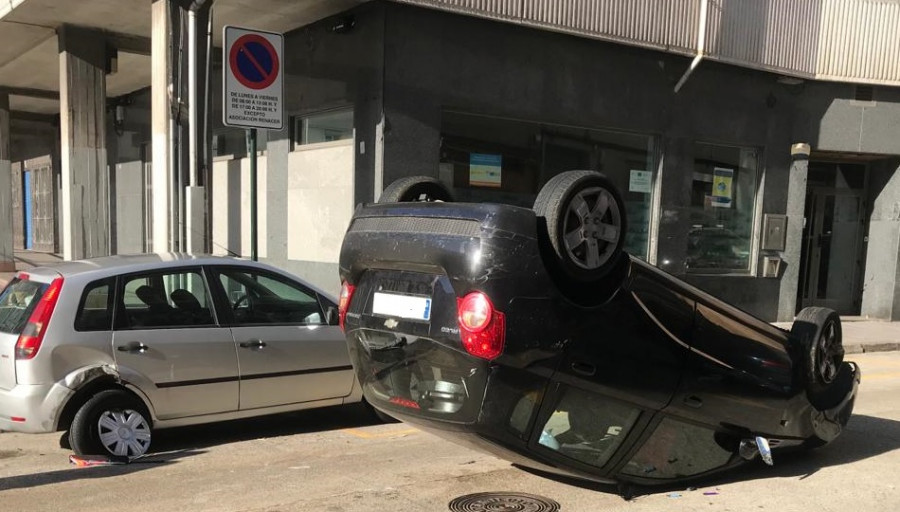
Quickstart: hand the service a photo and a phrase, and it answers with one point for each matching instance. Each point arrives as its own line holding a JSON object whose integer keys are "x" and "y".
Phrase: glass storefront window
{"x": 723, "y": 205}
{"x": 486, "y": 159}
{"x": 323, "y": 127}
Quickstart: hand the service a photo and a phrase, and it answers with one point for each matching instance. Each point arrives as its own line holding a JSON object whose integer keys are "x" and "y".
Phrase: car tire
{"x": 582, "y": 216}
{"x": 112, "y": 422}
{"x": 416, "y": 189}
{"x": 818, "y": 332}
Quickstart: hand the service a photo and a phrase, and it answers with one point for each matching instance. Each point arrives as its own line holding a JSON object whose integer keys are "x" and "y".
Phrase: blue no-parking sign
{"x": 253, "y": 85}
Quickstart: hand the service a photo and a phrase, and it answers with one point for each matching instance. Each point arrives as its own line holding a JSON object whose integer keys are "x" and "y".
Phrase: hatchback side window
{"x": 587, "y": 427}
{"x": 174, "y": 299}
{"x": 678, "y": 450}
{"x": 17, "y": 302}
{"x": 95, "y": 308}
{"x": 261, "y": 298}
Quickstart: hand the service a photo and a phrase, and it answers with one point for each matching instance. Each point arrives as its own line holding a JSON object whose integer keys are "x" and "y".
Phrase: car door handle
{"x": 253, "y": 344}
{"x": 693, "y": 401}
{"x": 134, "y": 347}
{"x": 585, "y": 369}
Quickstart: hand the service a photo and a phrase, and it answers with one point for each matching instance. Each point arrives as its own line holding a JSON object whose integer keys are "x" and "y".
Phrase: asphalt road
{"x": 337, "y": 459}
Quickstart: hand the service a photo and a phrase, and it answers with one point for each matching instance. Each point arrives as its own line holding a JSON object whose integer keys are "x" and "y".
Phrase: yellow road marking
{"x": 380, "y": 435}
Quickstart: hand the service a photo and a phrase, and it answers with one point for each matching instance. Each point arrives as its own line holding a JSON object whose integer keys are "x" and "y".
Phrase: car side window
{"x": 260, "y": 298}
{"x": 95, "y": 308}
{"x": 678, "y": 450}
{"x": 587, "y": 427}
{"x": 161, "y": 300}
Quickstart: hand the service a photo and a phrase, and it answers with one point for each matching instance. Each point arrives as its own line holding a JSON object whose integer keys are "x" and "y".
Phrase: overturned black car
{"x": 530, "y": 334}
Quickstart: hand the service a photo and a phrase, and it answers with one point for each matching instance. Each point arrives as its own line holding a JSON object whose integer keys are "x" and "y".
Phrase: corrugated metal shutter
{"x": 847, "y": 40}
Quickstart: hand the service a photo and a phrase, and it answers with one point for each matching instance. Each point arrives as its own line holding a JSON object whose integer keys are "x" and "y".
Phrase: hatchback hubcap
{"x": 124, "y": 432}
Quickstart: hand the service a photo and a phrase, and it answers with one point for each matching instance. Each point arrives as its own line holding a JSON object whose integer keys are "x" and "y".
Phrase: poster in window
{"x": 640, "y": 181}
{"x": 484, "y": 170}
{"x": 722, "y": 187}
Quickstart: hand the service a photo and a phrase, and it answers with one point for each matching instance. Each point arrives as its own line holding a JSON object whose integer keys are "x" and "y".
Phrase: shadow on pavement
{"x": 75, "y": 473}
{"x": 864, "y": 437}
{"x": 287, "y": 424}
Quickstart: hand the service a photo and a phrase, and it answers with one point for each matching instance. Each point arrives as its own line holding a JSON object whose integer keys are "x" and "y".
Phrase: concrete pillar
{"x": 796, "y": 204}
{"x": 85, "y": 174}
{"x": 161, "y": 127}
{"x": 881, "y": 287}
{"x": 278, "y": 148}
{"x": 7, "y": 263}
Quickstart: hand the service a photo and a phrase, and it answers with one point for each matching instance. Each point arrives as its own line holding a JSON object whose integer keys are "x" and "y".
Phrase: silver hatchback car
{"x": 111, "y": 348}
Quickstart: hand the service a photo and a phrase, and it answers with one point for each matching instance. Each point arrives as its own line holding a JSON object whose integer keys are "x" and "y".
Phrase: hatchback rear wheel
{"x": 112, "y": 422}
{"x": 584, "y": 217}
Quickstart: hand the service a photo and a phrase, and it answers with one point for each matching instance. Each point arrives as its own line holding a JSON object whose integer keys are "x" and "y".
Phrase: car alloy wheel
{"x": 124, "y": 432}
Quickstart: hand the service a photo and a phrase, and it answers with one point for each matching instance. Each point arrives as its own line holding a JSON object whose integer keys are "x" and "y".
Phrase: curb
{"x": 859, "y": 348}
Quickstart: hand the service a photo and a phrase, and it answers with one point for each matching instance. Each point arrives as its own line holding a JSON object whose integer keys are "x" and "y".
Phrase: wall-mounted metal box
{"x": 774, "y": 232}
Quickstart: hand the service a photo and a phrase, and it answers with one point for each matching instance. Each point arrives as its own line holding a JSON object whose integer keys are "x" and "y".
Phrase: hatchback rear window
{"x": 17, "y": 302}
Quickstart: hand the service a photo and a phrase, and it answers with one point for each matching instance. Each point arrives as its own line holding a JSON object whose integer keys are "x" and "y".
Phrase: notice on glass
{"x": 640, "y": 181}
{"x": 722, "y": 187}
{"x": 485, "y": 169}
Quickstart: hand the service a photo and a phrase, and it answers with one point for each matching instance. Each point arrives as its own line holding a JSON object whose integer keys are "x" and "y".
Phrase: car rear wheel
{"x": 112, "y": 422}
{"x": 585, "y": 223}
{"x": 416, "y": 189}
{"x": 818, "y": 330}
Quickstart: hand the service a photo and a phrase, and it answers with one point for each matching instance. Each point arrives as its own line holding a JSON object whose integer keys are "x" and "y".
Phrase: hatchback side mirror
{"x": 331, "y": 315}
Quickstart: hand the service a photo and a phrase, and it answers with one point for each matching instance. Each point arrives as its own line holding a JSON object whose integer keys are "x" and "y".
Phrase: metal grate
{"x": 864, "y": 93}
{"x": 503, "y": 502}
{"x": 432, "y": 226}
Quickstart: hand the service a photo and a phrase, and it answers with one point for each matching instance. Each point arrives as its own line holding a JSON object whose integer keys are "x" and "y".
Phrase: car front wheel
{"x": 112, "y": 422}
{"x": 818, "y": 330}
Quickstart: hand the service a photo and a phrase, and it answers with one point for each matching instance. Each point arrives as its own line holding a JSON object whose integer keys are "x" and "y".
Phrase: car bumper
{"x": 32, "y": 408}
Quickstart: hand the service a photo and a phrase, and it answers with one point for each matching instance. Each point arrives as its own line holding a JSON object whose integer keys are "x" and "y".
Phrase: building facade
{"x": 756, "y": 144}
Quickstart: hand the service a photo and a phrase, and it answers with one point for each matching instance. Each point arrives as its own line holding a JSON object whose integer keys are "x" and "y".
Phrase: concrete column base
{"x": 7, "y": 266}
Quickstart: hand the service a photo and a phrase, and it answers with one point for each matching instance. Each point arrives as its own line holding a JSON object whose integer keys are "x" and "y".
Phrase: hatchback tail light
{"x": 481, "y": 327}
{"x": 347, "y": 290}
{"x": 33, "y": 333}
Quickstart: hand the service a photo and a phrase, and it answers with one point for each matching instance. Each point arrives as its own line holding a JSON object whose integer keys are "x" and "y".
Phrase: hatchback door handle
{"x": 585, "y": 369}
{"x": 134, "y": 346}
{"x": 253, "y": 344}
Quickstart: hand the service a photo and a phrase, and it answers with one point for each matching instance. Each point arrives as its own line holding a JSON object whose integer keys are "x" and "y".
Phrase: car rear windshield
{"x": 17, "y": 302}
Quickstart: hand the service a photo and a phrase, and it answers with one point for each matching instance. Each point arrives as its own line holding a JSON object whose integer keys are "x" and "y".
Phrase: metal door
{"x": 833, "y": 238}
{"x": 43, "y": 210}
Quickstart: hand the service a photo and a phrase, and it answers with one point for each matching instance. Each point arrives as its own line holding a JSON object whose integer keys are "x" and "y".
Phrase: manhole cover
{"x": 503, "y": 502}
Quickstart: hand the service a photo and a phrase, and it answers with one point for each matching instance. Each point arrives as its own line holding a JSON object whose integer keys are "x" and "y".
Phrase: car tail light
{"x": 481, "y": 327}
{"x": 33, "y": 333}
{"x": 404, "y": 402}
{"x": 347, "y": 290}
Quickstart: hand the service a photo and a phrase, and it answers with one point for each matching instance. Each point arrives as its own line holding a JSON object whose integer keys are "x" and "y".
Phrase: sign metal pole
{"x": 253, "y": 216}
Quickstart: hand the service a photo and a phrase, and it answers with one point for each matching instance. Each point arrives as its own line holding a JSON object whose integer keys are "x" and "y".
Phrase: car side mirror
{"x": 331, "y": 315}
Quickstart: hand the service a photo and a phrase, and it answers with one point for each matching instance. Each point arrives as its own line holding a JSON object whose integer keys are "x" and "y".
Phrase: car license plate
{"x": 404, "y": 306}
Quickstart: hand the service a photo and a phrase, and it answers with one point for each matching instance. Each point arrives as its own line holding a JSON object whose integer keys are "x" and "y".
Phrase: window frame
{"x": 552, "y": 399}
{"x": 298, "y": 128}
{"x": 228, "y": 318}
{"x": 110, "y": 303}
{"x": 120, "y": 320}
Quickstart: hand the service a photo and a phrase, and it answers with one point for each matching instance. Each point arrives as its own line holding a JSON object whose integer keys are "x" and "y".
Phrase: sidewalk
{"x": 27, "y": 259}
{"x": 860, "y": 334}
